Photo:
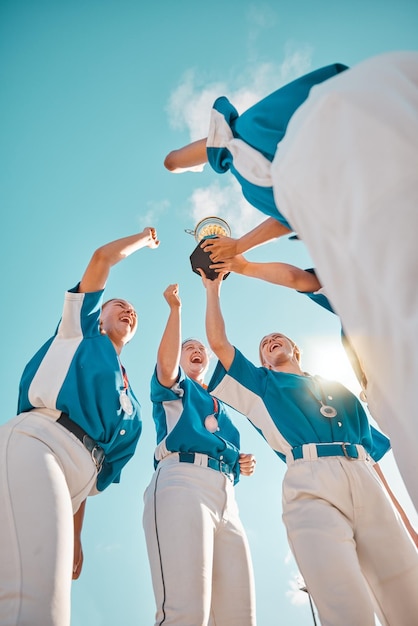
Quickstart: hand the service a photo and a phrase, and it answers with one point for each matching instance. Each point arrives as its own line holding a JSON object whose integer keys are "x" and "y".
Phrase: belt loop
{"x": 310, "y": 452}
{"x": 362, "y": 454}
{"x": 290, "y": 459}
{"x": 199, "y": 458}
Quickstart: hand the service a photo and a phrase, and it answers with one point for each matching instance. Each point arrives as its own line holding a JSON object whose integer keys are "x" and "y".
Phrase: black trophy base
{"x": 201, "y": 259}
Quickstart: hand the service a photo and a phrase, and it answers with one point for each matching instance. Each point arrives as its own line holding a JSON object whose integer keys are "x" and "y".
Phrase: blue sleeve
{"x": 159, "y": 393}
{"x": 220, "y": 158}
{"x": 244, "y": 372}
{"x": 263, "y": 125}
{"x": 380, "y": 444}
{"x": 318, "y": 298}
{"x": 217, "y": 376}
{"x": 89, "y": 314}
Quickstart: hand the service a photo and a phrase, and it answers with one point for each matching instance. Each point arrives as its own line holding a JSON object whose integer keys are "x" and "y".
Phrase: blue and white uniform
{"x": 336, "y": 512}
{"x": 76, "y": 372}
{"x": 344, "y": 177}
{"x": 246, "y": 144}
{"x": 198, "y": 551}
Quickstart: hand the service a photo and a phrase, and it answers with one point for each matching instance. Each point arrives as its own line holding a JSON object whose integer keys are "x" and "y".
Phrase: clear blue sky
{"x": 94, "y": 93}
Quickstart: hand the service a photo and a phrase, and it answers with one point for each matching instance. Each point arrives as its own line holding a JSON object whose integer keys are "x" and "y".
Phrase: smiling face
{"x": 278, "y": 350}
{"x": 194, "y": 359}
{"x": 119, "y": 321}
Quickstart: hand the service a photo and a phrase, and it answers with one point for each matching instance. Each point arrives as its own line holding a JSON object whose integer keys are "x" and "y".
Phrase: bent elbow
{"x": 170, "y": 161}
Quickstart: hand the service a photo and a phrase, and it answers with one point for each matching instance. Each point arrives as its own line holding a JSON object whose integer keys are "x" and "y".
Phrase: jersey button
{"x": 122, "y": 432}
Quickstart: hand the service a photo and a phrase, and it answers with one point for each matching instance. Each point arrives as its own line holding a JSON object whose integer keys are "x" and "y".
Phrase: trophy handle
{"x": 189, "y": 231}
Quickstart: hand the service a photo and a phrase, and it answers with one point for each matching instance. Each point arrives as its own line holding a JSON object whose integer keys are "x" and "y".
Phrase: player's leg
{"x": 179, "y": 529}
{"x": 36, "y": 520}
{"x": 387, "y": 555}
{"x": 319, "y": 519}
{"x": 233, "y": 602}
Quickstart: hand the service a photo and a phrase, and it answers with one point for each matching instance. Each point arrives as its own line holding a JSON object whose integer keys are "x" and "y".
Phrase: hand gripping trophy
{"x": 207, "y": 228}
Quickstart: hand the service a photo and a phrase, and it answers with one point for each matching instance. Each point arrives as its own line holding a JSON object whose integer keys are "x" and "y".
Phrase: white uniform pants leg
{"x": 344, "y": 531}
{"x": 45, "y": 475}
{"x": 345, "y": 176}
{"x": 198, "y": 552}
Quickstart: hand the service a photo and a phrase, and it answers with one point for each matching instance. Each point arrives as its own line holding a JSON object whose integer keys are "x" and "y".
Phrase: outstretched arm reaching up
{"x": 275, "y": 272}
{"x": 215, "y": 325}
{"x": 222, "y": 248}
{"x": 97, "y": 272}
{"x": 169, "y": 351}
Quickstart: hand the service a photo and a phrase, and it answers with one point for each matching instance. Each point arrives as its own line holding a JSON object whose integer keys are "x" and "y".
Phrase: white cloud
{"x": 190, "y": 103}
{"x": 153, "y": 211}
{"x": 295, "y": 594}
{"x": 261, "y": 16}
{"x": 225, "y": 201}
{"x": 289, "y": 558}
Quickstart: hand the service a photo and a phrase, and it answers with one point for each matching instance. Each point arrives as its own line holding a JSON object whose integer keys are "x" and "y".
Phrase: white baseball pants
{"x": 198, "y": 551}
{"x": 45, "y": 475}
{"x": 351, "y": 547}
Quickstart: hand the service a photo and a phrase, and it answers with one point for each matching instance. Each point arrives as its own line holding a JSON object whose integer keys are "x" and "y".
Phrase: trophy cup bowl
{"x": 211, "y": 227}
{"x": 207, "y": 228}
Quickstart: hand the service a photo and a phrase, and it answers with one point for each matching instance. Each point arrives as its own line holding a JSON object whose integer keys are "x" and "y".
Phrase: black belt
{"x": 97, "y": 453}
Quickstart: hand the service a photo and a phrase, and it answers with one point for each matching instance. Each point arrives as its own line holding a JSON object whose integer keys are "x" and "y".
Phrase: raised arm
{"x": 276, "y": 273}
{"x": 97, "y": 272}
{"x": 223, "y": 248}
{"x": 215, "y": 325}
{"x": 187, "y": 158}
{"x": 169, "y": 351}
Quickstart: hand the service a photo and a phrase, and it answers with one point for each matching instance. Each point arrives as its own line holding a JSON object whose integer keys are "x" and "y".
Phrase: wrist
{"x": 243, "y": 268}
{"x": 240, "y": 245}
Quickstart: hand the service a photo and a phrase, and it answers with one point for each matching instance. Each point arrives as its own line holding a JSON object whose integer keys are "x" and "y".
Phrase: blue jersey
{"x": 318, "y": 296}
{"x": 78, "y": 372}
{"x": 179, "y": 414}
{"x": 284, "y": 408}
{"x": 246, "y": 144}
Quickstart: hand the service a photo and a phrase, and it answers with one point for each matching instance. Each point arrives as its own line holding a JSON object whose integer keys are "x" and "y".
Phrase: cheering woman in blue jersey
{"x": 78, "y": 425}
{"x": 341, "y": 526}
{"x": 198, "y": 551}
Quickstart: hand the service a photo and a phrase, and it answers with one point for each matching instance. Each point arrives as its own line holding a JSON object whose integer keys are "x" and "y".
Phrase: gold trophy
{"x": 207, "y": 228}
